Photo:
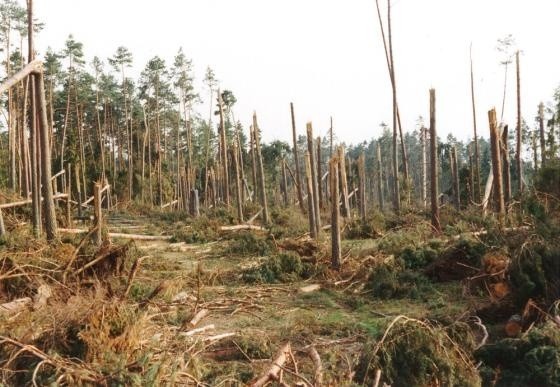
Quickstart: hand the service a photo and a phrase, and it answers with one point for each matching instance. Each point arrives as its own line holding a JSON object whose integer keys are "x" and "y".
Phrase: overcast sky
{"x": 327, "y": 55}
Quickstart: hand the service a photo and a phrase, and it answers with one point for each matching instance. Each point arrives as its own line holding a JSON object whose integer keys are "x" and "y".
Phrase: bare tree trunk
{"x": 504, "y": 151}
{"x": 46, "y": 174}
{"x": 2, "y": 226}
{"x": 455, "y": 170}
{"x": 380, "y": 178}
{"x": 336, "y": 256}
{"x": 98, "y": 214}
{"x": 519, "y": 129}
{"x": 310, "y": 204}
{"x": 476, "y": 188}
{"x": 396, "y": 187}
{"x": 496, "y": 166}
{"x": 238, "y": 183}
{"x": 296, "y": 160}
{"x": 254, "y": 162}
{"x": 315, "y": 190}
{"x": 224, "y": 148}
{"x": 423, "y": 141}
{"x": 362, "y": 186}
{"x": 343, "y": 182}
{"x": 541, "y": 134}
{"x": 284, "y": 184}
{"x": 262, "y": 181}
{"x": 319, "y": 174}
{"x": 434, "y": 191}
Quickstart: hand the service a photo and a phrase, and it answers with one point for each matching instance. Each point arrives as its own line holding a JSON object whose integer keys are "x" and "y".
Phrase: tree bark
{"x": 362, "y": 186}
{"x": 224, "y": 149}
{"x": 261, "y": 177}
{"x": 476, "y": 188}
{"x": 343, "y": 182}
{"x": 496, "y": 166}
{"x": 310, "y": 203}
{"x": 315, "y": 188}
{"x": 434, "y": 191}
{"x": 380, "y": 178}
{"x": 296, "y": 160}
{"x": 519, "y": 128}
{"x": 456, "y": 186}
{"x": 504, "y": 151}
{"x": 541, "y": 134}
{"x": 336, "y": 255}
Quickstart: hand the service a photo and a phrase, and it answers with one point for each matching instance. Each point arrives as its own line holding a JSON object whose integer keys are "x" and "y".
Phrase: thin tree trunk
{"x": 310, "y": 204}
{"x": 380, "y": 178}
{"x": 343, "y": 182}
{"x": 296, "y": 160}
{"x": 396, "y": 185}
{"x": 519, "y": 129}
{"x": 456, "y": 186}
{"x": 423, "y": 142}
{"x": 336, "y": 255}
{"x": 434, "y": 164}
{"x": 362, "y": 186}
{"x": 284, "y": 184}
{"x": 261, "y": 178}
{"x": 541, "y": 134}
{"x": 319, "y": 174}
{"x": 504, "y": 151}
{"x": 315, "y": 191}
{"x": 225, "y": 170}
{"x": 476, "y": 188}
{"x": 238, "y": 183}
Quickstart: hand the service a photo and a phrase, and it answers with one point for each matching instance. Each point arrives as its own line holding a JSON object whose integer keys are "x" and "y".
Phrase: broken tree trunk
{"x": 98, "y": 225}
{"x": 284, "y": 185}
{"x": 343, "y": 182}
{"x": 496, "y": 166}
{"x": 273, "y": 372}
{"x": 476, "y": 188}
{"x": 379, "y": 178}
{"x": 310, "y": 204}
{"x": 504, "y": 150}
{"x": 455, "y": 169}
{"x": 434, "y": 164}
{"x": 225, "y": 172}
{"x": 336, "y": 256}
{"x": 194, "y": 207}
{"x": 296, "y": 160}
{"x": 319, "y": 174}
{"x": 518, "y": 161}
{"x": 238, "y": 186}
{"x": 261, "y": 179}
{"x": 541, "y": 134}
{"x": 362, "y": 185}
{"x": 314, "y": 179}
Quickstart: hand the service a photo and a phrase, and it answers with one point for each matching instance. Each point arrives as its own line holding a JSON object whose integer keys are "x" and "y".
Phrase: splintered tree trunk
{"x": 380, "y": 178}
{"x": 224, "y": 149}
{"x": 310, "y": 204}
{"x": 238, "y": 184}
{"x": 496, "y": 166}
{"x": 284, "y": 183}
{"x": 476, "y": 187}
{"x": 319, "y": 174}
{"x": 296, "y": 160}
{"x": 262, "y": 181}
{"x": 541, "y": 134}
{"x": 504, "y": 151}
{"x": 519, "y": 128}
{"x": 315, "y": 188}
{"x": 46, "y": 174}
{"x": 253, "y": 162}
{"x": 456, "y": 187}
{"x": 434, "y": 191}
{"x": 336, "y": 257}
{"x": 362, "y": 187}
{"x": 343, "y": 182}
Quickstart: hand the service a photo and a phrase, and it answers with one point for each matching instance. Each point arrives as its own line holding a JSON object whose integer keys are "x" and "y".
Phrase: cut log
{"x": 198, "y": 330}
{"x": 242, "y": 227}
{"x": 137, "y": 237}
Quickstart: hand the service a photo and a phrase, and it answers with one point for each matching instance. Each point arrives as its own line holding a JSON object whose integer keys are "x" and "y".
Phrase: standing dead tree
{"x": 362, "y": 185}
{"x": 496, "y": 166}
{"x": 455, "y": 173}
{"x": 310, "y": 203}
{"x": 261, "y": 178}
{"x": 336, "y": 256}
{"x": 315, "y": 188}
{"x": 519, "y": 129}
{"x": 504, "y": 150}
{"x": 541, "y": 134}
{"x": 379, "y": 177}
{"x": 476, "y": 186}
{"x": 296, "y": 160}
{"x": 434, "y": 191}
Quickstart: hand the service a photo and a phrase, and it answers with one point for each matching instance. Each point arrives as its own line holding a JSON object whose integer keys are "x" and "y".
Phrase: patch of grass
{"x": 283, "y": 267}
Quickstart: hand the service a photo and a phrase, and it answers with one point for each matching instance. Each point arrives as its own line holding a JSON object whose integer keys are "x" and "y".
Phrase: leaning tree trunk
{"x": 476, "y": 188}
{"x": 434, "y": 164}
{"x": 296, "y": 160}
{"x": 315, "y": 190}
{"x": 396, "y": 185}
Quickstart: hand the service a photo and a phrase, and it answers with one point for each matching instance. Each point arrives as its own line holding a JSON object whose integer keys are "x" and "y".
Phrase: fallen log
{"x": 14, "y": 306}
{"x": 318, "y": 377}
{"x": 242, "y": 227}
{"x": 309, "y": 288}
{"x": 198, "y": 316}
{"x": 198, "y": 330}
{"x": 273, "y": 372}
{"x": 137, "y": 237}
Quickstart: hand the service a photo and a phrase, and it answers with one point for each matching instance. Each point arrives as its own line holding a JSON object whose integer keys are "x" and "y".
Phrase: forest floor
{"x": 215, "y": 307}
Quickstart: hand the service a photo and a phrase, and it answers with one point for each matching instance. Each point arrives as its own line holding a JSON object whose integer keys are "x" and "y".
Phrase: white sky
{"x": 327, "y": 55}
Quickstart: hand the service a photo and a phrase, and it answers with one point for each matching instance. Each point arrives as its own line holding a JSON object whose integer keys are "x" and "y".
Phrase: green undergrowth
{"x": 282, "y": 267}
